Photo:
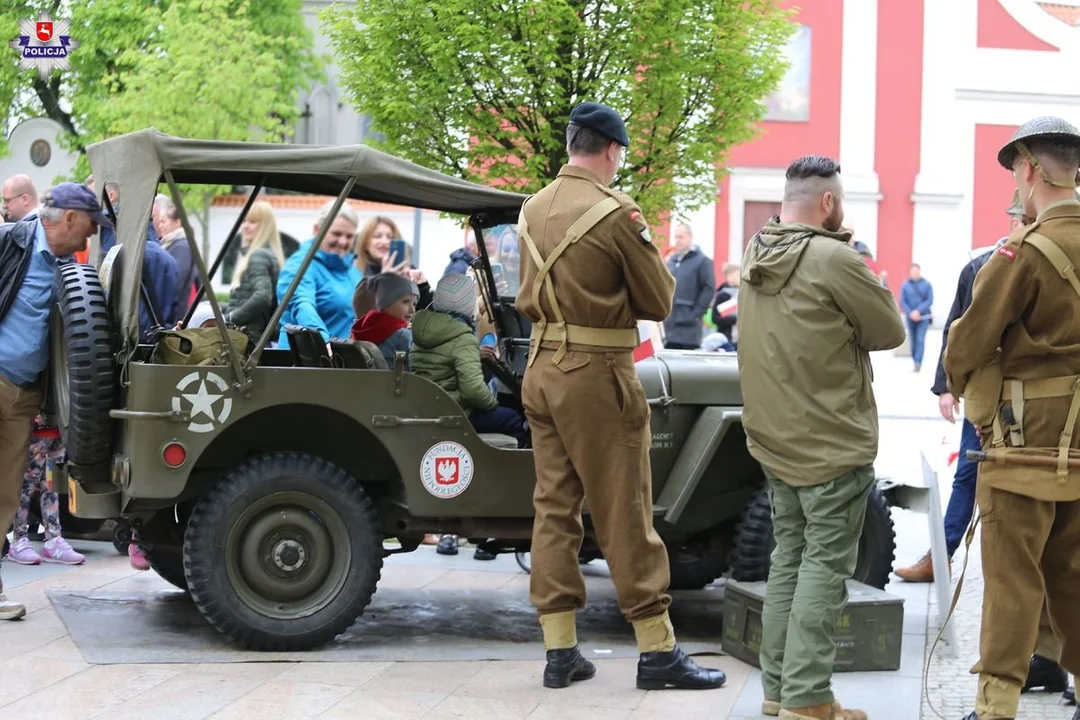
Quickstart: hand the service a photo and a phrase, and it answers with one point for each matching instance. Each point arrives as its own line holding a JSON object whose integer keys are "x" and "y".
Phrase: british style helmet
{"x": 1046, "y": 126}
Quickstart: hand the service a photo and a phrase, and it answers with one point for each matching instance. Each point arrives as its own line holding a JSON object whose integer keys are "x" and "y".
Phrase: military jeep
{"x": 265, "y": 482}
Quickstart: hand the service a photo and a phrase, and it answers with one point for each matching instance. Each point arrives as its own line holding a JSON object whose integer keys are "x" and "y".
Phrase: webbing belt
{"x": 562, "y": 332}
{"x": 1017, "y": 391}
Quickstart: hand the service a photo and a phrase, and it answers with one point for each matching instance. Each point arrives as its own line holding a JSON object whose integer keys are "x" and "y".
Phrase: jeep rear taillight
{"x": 174, "y": 454}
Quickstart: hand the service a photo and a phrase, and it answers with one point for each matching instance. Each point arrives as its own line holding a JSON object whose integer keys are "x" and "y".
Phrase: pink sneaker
{"x": 138, "y": 560}
{"x": 20, "y": 552}
{"x": 57, "y": 550}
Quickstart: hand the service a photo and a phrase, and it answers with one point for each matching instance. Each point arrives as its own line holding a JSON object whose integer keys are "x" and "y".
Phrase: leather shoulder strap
{"x": 1057, "y": 257}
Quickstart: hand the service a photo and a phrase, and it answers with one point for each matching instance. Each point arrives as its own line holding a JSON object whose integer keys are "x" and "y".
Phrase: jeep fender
{"x": 696, "y": 454}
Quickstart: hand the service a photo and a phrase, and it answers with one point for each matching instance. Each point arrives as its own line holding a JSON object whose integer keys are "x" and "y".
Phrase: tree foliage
{"x": 483, "y": 88}
{"x": 208, "y": 69}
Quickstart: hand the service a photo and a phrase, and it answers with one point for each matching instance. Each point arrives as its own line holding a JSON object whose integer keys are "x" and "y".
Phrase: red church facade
{"x": 914, "y": 98}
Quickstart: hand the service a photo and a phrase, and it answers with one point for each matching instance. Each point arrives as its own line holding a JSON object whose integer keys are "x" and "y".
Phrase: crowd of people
{"x": 810, "y": 310}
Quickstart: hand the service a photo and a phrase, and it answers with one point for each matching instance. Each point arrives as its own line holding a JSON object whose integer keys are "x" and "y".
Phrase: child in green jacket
{"x": 446, "y": 351}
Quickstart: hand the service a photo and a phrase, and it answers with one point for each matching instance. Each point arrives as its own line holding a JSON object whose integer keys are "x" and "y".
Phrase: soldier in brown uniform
{"x": 589, "y": 272}
{"x": 1015, "y": 358}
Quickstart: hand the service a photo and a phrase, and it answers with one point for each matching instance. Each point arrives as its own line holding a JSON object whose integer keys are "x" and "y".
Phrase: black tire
{"x": 83, "y": 365}
{"x": 121, "y": 537}
{"x": 168, "y": 562}
{"x": 702, "y": 559}
{"x": 284, "y": 553}
{"x": 754, "y": 542}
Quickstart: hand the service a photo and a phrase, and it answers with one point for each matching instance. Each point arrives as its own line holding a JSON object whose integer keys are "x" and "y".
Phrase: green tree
{"x": 483, "y": 89}
{"x": 219, "y": 79}
{"x": 210, "y": 69}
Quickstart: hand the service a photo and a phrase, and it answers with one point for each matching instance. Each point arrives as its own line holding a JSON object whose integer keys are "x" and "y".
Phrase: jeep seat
{"x": 502, "y": 442}
{"x": 358, "y": 355}
{"x": 307, "y": 346}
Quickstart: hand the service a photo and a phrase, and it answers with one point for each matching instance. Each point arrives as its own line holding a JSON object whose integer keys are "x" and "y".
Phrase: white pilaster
{"x": 942, "y": 196}
{"x": 858, "y": 119}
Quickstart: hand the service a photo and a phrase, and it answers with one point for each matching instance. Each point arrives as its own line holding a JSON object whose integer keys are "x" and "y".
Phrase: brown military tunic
{"x": 1025, "y": 315}
{"x": 587, "y": 410}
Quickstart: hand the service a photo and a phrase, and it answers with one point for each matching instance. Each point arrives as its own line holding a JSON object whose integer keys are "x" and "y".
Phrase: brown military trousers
{"x": 590, "y": 432}
{"x": 1029, "y": 557}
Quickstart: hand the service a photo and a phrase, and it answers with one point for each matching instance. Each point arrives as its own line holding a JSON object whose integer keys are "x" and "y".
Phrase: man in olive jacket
{"x": 810, "y": 313}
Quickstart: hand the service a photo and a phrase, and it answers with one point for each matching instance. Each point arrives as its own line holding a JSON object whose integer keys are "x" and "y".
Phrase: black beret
{"x": 602, "y": 119}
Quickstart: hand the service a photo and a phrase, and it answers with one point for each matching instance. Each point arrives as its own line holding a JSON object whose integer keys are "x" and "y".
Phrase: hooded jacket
{"x": 323, "y": 299}
{"x": 810, "y": 313}
{"x": 446, "y": 351}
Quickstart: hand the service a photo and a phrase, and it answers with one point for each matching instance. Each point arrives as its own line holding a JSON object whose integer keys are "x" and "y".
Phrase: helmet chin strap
{"x": 1043, "y": 176}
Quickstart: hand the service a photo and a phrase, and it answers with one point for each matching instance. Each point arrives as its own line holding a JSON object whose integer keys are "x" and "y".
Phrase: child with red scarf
{"x": 388, "y": 324}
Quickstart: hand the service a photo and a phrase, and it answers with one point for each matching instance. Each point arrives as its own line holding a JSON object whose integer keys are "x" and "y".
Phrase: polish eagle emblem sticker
{"x": 446, "y": 470}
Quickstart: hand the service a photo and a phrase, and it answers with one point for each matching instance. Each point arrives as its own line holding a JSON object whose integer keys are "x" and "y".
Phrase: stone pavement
{"x": 42, "y": 671}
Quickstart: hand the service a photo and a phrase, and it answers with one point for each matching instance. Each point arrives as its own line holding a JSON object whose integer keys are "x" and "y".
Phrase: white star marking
{"x": 202, "y": 402}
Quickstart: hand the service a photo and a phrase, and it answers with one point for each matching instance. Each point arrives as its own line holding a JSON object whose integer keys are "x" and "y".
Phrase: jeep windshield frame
{"x": 136, "y": 163}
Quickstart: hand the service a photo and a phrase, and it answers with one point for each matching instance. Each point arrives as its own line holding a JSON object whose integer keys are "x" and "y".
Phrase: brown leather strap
{"x": 590, "y": 219}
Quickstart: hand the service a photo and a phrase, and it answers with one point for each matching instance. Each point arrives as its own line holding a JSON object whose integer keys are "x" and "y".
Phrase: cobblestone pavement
{"x": 41, "y": 667}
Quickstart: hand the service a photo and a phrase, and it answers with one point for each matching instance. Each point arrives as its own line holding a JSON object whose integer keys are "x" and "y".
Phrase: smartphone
{"x": 500, "y": 277}
{"x": 397, "y": 252}
{"x": 489, "y": 339}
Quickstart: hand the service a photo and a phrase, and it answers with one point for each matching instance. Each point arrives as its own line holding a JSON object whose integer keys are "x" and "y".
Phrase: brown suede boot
{"x": 830, "y": 711}
{"x": 772, "y": 707}
{"x": 920, "y": 572}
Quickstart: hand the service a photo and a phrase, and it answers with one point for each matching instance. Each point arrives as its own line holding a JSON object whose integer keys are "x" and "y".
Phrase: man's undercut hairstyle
{"x": 580, "y": 140}
{"x": 809, "y": 177}
{"x": 1059, "y": 157}
{"x": 813, "y": 166}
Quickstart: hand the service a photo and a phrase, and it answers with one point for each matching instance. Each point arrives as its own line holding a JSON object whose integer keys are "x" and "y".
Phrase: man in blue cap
{"x": 586, "y": 408}
{"x": 30, "y": 252}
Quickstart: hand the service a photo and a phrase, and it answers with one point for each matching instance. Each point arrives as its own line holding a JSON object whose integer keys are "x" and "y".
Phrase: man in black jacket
{"x": 695, "y": 285}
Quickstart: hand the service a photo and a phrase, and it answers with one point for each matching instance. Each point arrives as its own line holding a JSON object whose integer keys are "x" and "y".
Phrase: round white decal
{"x": 203, "y": 401}
{"x": 446, "y": 470}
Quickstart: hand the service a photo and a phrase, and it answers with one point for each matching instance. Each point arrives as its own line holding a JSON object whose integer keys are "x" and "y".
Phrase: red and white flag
{"x": 728, "y": 308}
{"x": 649, "y": 337}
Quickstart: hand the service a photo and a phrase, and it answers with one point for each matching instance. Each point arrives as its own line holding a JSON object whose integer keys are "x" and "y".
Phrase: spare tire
{"x": 754, "y": 542}
{"x": 83, "y": 365}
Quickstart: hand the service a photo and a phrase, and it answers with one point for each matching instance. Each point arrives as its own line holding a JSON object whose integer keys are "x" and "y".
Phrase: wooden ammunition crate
{"x": 868, "y": 635}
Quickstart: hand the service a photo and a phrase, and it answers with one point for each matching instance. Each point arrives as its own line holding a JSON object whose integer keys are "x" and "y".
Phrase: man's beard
{"x": 834, "y": 222}
{"x": 8, "y": 218}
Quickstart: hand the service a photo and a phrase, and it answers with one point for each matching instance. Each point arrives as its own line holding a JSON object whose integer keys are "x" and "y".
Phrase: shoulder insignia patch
{"x": 1007, "y": 252}
{"x": 635, "y": 215}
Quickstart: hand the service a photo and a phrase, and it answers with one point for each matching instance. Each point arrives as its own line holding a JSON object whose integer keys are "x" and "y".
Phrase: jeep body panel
{"x": 379, "y": 429}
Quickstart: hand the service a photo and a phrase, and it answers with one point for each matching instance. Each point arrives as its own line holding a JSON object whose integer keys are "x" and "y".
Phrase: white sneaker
{"x": 9, "y": 609}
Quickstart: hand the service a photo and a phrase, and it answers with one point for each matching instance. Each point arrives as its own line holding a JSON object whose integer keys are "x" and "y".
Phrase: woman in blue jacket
{"x": 323, "y": 299}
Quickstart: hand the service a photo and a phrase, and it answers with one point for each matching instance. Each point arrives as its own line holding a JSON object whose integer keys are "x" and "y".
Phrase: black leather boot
{"x": 1046, "y": 674}
{"x": 676, "y": 669}
{"x": 566, "y": 666}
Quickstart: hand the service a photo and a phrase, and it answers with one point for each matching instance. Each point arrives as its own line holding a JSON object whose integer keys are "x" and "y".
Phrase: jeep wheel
{"x": 754, "y": 542}
{"x": 83, "y": 377}
{"x": 284, "y": 553}
{"x": 701, "y": 559}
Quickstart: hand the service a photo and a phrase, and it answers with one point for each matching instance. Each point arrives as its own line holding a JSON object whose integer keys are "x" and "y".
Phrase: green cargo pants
{"x": 817, "y": 532}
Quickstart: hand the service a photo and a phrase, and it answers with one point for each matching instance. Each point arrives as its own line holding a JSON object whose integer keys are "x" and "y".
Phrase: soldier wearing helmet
{"x": 1015, "y": 358}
